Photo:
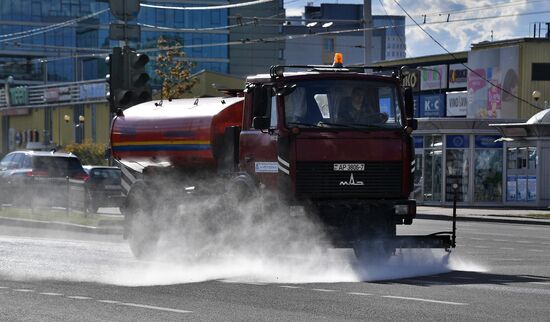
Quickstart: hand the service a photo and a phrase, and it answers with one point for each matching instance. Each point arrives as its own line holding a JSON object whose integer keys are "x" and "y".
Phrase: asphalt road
{"x": 499, "y": 272}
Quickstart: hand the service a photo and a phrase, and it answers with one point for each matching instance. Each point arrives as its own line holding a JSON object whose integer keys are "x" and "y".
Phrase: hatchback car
{"x": 103, "y": 187}
{"x": 27, "y": 177}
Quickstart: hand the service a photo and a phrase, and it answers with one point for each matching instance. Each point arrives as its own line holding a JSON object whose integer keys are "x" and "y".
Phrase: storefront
{"x": 467, "y": 152}
{"x": 527, "y": 151}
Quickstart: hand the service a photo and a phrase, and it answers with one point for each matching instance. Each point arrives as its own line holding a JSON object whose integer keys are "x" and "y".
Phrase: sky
{"x": 470, "y": 21}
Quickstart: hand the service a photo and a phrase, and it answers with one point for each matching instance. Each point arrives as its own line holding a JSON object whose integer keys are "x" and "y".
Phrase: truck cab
{"x": 335, "y": 141}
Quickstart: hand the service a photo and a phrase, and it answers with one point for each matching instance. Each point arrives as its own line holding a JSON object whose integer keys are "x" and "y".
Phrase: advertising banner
{"x": 458, "y": 76}
{"x": 457, "y": 103}
{"x": 432, "y": 105}
{"x": 488, "y": 142}
{"x": 458, "y": 141}
{"x": 531, "y": 188}
{"x": 493, "y": 83}
{"x": 411, "y": 78}
{"x": 57, "y": 94}
{"x": 88, "y": 91}
{"x": 522, "y": 188}
{"x": 19, "y": 95}
{"x": 511, "y": 188}
{"x": 433, "y": 77}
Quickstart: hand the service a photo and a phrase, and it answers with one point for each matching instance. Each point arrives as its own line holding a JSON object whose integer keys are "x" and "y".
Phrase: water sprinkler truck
{"x": 287, "y": 133}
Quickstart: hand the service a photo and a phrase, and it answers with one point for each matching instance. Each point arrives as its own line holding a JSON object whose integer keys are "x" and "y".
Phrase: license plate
{"x": 349, "y": 167}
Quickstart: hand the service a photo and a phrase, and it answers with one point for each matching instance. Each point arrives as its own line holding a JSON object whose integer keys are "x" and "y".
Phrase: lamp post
{"x": 536, "y": 96}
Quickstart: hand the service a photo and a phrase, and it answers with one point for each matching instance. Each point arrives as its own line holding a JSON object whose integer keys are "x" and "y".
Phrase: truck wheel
{"x": 141, "y": 229}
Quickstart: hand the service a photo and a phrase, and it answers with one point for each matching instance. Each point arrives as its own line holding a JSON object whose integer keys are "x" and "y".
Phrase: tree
{"x": 174, "y": 69}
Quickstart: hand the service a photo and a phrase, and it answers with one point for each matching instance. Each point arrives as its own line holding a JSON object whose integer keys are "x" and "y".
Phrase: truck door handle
{"x": 249, "y": 157}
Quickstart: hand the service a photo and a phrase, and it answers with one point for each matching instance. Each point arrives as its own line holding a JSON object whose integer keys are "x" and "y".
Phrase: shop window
{"x": 521, "y": 178}
{"x": 433, "y": 162}
{"x": 488, "y": 169}
{"x": 457, "y": 167}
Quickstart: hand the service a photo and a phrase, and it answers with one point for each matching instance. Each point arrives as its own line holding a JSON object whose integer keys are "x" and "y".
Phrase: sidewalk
{"x": 503, "y": 215}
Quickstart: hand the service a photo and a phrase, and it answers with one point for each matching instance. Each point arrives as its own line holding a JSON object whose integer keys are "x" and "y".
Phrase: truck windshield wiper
{"x": 322, "y": 123}
{"x": 378, "y": 126}
{"x": 303, "y": 124}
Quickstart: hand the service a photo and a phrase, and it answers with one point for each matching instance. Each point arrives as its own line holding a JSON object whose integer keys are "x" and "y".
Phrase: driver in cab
{"x": 359, "y": 109}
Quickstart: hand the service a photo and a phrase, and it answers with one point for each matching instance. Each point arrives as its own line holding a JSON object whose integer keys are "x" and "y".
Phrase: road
{"x": 499, "y": 272}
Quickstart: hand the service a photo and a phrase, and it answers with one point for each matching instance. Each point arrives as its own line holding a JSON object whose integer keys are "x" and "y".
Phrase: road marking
{"x": 108, "y": 301}
{"x": 322, "y": 290}
{"x": 24, "y": 290}
{"x": 536, "y": 250}
{"x": 509, "y": 259}
{"x": 76, "y": 297}
{"x": 51, "y": 294}
{"x": 540, "y": 283}
{"x": 158, "y": 308}
{"x": 463, "y": 278}
{"x": 289, "y": 286}
{"x": 4, "y": 287}
{"x": 524, "y": 242}
{"x": 359, "y": 293}
{"x": 507, "y": 248}
{"x": 422, "y": 300}
{"x": 501, "y": 240}
{"x": 484, "y": 247}
{"x": 474, "y": 238}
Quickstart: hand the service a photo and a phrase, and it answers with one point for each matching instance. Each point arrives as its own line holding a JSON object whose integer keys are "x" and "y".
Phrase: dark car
{"x": 44, "y": 178}
{"x": 103, "y": 187}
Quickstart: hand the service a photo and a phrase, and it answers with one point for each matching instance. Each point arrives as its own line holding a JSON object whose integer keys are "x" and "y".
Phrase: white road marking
{"x": 508, "y": 248}
{"x": 76, "y": 297}
{"x": 423, "y": 300}
{"x": 509, "y": 259}
{"x": 540, "y": 283}
{"x": 501, "y": 240}
{"x": 158, "y": 308}
{"x": 289, "y": 286}
{"x": 108, "y": 301}
{"x": 474, "y": 238}
{"x": 524, "y": 242}
{"x": 463, "y": 278}
{"x": 24, "y": 290}
{"x": 484, "y": 247}
{"x": 4, "y": 287}
{"x": 51, "y": 294}
{"x": 359, "y": 293}
{"x": 536, "y": 250}
{"x": 322, "y": 290}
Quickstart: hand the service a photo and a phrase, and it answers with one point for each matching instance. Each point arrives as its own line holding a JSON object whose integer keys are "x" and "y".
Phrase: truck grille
{"x": 379, "y": 180}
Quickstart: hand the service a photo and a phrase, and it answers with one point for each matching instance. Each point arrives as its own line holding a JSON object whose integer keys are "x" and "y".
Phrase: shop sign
{"x": 19, "y": 96}
{"x": 57, "y": 94}
{"x": 457, "y": 103}
{"x": 458, "y": 141}
{"x": 418, "y": 142}
{"x": 488, "y": 141}
{"x": 458, "y": 76}
{"x": 15, "y": 111}
{"x": 411, "y": 78}
{"x": 432, "y": 105}
{"x": 433, "y": 77}
{"x": 88, "y": 91}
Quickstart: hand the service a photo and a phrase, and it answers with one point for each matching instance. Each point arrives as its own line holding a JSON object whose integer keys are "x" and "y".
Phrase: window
{"x": 540, "y": 71}
{"x": 273, "y": 119}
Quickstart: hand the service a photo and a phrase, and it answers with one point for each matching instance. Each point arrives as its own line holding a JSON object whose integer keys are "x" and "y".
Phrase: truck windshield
{"x": 343, "y": 104}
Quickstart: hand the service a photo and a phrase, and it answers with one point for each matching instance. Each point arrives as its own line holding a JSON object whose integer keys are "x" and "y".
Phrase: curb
{"x": 29, "y": 223}
{"x": 488, "y": 218}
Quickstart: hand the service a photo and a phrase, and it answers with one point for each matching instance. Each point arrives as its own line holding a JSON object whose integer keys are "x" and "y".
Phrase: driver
{"x": 359, "y": 109}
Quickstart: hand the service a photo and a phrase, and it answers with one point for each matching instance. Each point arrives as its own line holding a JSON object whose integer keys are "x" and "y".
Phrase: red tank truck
{"x": 290, "y": 135}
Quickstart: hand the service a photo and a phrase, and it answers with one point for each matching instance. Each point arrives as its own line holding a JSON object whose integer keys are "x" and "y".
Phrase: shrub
{"x": 88, "y": 153}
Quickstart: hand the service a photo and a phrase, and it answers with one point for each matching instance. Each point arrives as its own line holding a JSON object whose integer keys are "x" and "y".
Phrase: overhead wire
{"x": 228, "y": 6}
{"x": 521, "y": 99}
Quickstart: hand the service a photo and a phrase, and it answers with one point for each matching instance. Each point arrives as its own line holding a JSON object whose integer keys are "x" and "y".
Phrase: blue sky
{"x": 470, "y": 21}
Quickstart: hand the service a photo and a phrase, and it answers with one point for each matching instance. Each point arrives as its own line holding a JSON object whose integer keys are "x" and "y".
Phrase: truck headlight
{"x": 401, "y": 209}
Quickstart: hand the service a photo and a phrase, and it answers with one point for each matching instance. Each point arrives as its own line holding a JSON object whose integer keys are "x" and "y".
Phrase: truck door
{"x": 258, "y": 145}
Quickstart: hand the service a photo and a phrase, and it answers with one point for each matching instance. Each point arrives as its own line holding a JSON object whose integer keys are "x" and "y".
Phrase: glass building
{"x": 67, "y": 40}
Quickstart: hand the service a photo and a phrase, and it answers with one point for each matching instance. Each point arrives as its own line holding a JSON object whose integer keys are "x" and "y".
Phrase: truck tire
{"x": 374, "y": 243}
{"x": 141, "y": 229}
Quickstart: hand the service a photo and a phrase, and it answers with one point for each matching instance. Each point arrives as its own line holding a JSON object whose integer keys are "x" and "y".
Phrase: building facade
{"x": 388, "y": 36}
{"x": 463, "y": 101}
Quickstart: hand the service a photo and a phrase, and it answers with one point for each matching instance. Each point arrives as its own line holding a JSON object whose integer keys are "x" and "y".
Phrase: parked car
{"x": 103, "y": 187}
{"x": 35, "y": 177}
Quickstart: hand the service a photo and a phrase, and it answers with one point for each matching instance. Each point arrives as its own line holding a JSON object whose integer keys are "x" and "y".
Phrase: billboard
{"x": 432, "y": 105}
{"x": 433, "y": 77}
{"x": 457, "y": 103}
{"x": 458, "y": 76}
{"x": 493, "y": 82}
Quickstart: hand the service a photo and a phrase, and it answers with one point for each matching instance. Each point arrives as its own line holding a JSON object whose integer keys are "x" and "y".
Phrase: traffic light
{"x": 117, "y": 94}
{"x": 137, "y": 76}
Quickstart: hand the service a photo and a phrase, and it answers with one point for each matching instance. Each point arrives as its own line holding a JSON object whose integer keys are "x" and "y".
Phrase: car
{"x": 40, "y": 178}
{"x": 103, "y": 187}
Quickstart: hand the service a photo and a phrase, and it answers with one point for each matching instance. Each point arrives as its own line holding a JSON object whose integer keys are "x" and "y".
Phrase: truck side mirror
{"x": 409, "y": 103}
{"x": 260, "y": 123}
